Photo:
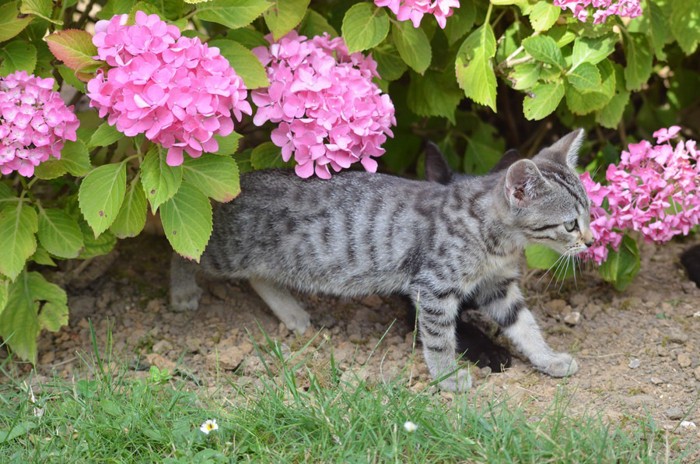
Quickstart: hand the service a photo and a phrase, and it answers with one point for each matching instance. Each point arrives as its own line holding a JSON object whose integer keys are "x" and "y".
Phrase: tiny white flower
{"x": 410, "y": 426}
{"x": 209, "y": 426}
{"x": 688, "y": 425}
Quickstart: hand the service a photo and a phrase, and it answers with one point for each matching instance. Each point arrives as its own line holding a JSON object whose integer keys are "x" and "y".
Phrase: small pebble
{"x": 674, "y": 413}
{"x": 656, "y": 381}
{"x": 573, "y": 318}
{"x": 684, "y": 360}
{"x": 696, "y": 373}
{"x": 634, "y": 363}
{"x": 688, "y": 425}
{"x": 696, "y": 314}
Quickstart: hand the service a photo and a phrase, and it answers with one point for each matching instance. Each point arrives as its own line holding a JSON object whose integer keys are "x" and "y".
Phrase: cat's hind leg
{"x": 283, "y": 304}
{"x": 184, "y": 291}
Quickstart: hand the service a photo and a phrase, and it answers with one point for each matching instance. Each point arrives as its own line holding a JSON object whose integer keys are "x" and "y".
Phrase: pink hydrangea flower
{"x": 329, "y": 112}
{"x": 601, "y": 8}
{"x": 34, "y": 123}
{"x": 654, "y": 190}
{"x": 414, "y": 10}
{"x": 176, "y": 90}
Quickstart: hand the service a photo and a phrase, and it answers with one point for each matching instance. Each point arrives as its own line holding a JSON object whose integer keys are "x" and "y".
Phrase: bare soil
{"x": 638, "y": 351}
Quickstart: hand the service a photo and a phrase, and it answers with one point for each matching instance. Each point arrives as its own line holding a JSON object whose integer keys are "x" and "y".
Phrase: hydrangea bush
{"x": 136, "y": 105}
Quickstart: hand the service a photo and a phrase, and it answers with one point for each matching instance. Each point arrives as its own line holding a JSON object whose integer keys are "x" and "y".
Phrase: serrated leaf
{"x": 17, "y": 55}
{"x": 413, "y": 46}
{"x": 40, "y": 8}
{"x": 28, "y": 297}
{"x": 685, "y": 24}
{"x": 543, "y": 100}
{"x": 228, "y": 145}
{"x": 657, "y": 28}
{"x": 101, "y": 195}
{"x": 41, "y": 256}
{"x": 434, "y": 94}
{"x": 18, "y": 224}
{"x": 59, "y": 233}
{"x": 187, "y": 221}
{"x": 474, "y": 67}
{"x": 580, "y": 103}
{"x": 621, "y": 266}
{"x": 364, "y": 26}
{"x": 95, "y": 246}
{"x": 10, "y": 23}
{"x": 268, "y": 155}
{"x": 611, "y": 115}
{"x": 543, "y": 16}
{"x": 461, "y": 22}
{"x": 160, "y": 181}
{"x": 592, "y": 50}
{"x": 132, "y": 216}
{"x": 104, "y": 136}
{"x": 525, "y": 75}
{"x": 243, "y": 61}
{"x": 215, "y": 176}
{"x": 4, "y": 292}
{"x": 639, "y": 61}
{"x": 585, "y": 78}
{"x": 390, "y": 66}
{"x": 315, "y": 24}
{"x": 76, "y": 158}
{"x": 284, "y": 15}
{"x": 545, "y": 50}
{"x": 248, "y": 37}
{"x": 231, "y": 13}
{"x": 50, "y": 169}
{"x": 74, "y": 48}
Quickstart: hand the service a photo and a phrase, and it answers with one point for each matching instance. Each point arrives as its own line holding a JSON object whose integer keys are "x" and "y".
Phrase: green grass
{"x": 113, "y": 417}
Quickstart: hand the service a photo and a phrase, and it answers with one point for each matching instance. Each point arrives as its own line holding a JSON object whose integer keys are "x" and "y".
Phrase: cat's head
{"x": 547, "y": 200}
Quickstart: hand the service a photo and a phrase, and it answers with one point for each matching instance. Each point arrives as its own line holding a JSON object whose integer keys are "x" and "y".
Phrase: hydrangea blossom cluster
{"x": 603, "y": 8}
{"x": 176, "y": 90}
{"x": 34, "y": 122}
{"x": 329, "y": 111}
{"x": 654, "y": 190}
{"x": 414, "y": 10}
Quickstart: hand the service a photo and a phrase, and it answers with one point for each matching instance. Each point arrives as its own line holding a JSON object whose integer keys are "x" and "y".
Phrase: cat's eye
{"x": 570, "y": 226}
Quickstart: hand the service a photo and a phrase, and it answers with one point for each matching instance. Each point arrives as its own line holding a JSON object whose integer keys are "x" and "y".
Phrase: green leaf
{"x": 18, "y": 224}
{"x": 621, "y": 266}
{"x": 611, "y": 115}
{"x": 4, "y": 293}
{"x": 543, "y": 16}
{"x": 17, "y": 55}
{"x": 59, "y": 233}
{"x": 29, "y": 296}
{"x": 187, "y": 221}
{"x": 95, "y": 246}
{"x": 69, "y": 77}
{"x": 231, "y": 13}
{"x": 10, "y": 24}
{"x": 40, "y": 8}
{"x": 585, "y": 78}
{"x": 75, "y": 159}
{"x": 315, "y": 24}
{"x": 592, "y": 50}
{"x": 248, "y": 37}
{"x": 246, "y": 64}
{"x": 474, "y": 66}
{"x": 484, "y": 148}
{"x": 525, "y": 75}
{"x": 41, "y": 256}
{"x": 390, "y": 66}
{"x": 132, "y": 216}
{"x": 544, "y": 49}
{"x": 50, "y": 169}
{"x": 104, "y": 136}
{"x": 214, "y": 176}
{"x": 228, "y": 145}
{"x": 364, "y": 26}
{"x": 160, "y": 181}
{"x": 434, "y": 94}
{"x": 461, "y": 22}
{"x": 580, "y": 103}
{"x": 285, "y": 15}
{"x": 541, "y": 257}
{"x": 101, "y": 195}
{"x": 413, "y": 46}
{"x": 74, "y": 48}
{"x": 656, "y": 26}
{"x": 16, "y": 431}
{"x": 685, "y": 24}
{"x": 543, "y": 100}
{"x": 639, "y": 60}
{"x": 268, "y": 155}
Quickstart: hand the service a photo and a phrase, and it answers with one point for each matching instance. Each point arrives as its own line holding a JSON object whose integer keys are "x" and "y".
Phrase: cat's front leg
{"x": 503, "y": 301}
{"x": 184, "y": 291}
{"x": 436, "y": 322}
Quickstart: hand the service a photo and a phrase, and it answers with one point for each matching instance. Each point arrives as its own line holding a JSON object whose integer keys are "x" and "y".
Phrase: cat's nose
{"x": 588, "y": 239}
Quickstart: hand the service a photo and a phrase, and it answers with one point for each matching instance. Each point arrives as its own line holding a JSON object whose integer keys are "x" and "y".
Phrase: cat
{"x": 361, "y": 233}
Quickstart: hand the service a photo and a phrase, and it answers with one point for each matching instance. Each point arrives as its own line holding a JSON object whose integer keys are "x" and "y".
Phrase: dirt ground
{"x": 638, "y": 351}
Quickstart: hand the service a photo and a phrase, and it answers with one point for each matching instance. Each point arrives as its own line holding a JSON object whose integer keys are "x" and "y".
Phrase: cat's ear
{"x": 508, "y": 158}
{"x": 565, "y": 150}
{"x": 524, "y": 183}
{"x": 436, "y": 167}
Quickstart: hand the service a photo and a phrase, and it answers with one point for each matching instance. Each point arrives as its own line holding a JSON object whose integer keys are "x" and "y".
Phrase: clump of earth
{"x": 638, "y": 350}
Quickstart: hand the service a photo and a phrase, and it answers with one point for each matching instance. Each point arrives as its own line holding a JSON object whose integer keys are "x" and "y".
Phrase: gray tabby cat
{"x": 361, "y": 234}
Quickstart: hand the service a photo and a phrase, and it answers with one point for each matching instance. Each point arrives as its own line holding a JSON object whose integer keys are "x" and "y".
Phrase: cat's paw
{"x": 460, "y": 381}
{"x": 297, "y": 321}
{"x": 185, "y": 298}
{"x": 560, "y": 365}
